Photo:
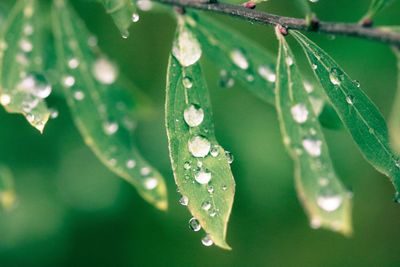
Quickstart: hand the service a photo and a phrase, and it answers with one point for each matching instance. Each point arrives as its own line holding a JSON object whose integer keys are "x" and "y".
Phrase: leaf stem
{"x": 333, "y": 28}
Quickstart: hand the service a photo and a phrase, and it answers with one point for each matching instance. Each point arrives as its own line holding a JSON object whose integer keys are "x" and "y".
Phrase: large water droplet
{"x": 135, "y": 17}
{"x": 313, "y": 147}
{"x": 5, "y": 99}
{"x": 194, "y": 224}
{"x": 336, "y": 76}
{"x": 199, "y": 146}
{"x": 267, "y": 73}
{"x": 193, "y": 115}
{"x": 206, "y": 205}
{"x": 202, "y": 176}
{"x": 207, "y": 241}
{"x": 150, "y": 183}
{"x": 186, "y": 49}
{"x": 35, "y": 84}
{"x": 329, "y": 201}
{"x": 239, "y": 59}
{"x": 187, "y": 82}
{"x": 104, "y": 71}
{"x": 299, "y": 113}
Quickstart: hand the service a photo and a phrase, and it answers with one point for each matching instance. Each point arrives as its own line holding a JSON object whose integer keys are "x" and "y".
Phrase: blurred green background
{"x": 72, "y": 211}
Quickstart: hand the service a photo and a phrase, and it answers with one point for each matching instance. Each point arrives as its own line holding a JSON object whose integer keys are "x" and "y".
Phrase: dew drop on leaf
{"x": 110, "y": 128}
{"x": 202, "y": 176}
{"x": 193, "y": 115}
{"x": 5, "y": 99}
{"x": 229, "y": 157}
{"x": 184, "y": 201}
{"x": 336, "y": 76}
{"x": 199, "y": 146}
{"x": 206, "y": 205}
{"x": 130, "y": 164}
{"x": 267, "y": 73}
{"x": 299, "y": 113}
{"x": 239, "y": 59}
{"x": 186, "y": 49}
{"x": 313, "y": 147}
{"x": 207, "y": 241}
{"x": 104, "y": 71}
{"x": 194, "y": 224}
{"x": 135, "y": 17}
{"x": 329, "y": 201}
{"x": 187, "y": 82}
{"x": 150, "y": 183}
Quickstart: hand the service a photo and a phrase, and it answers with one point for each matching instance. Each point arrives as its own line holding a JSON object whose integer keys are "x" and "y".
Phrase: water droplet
{"x": 194, "y": 224}
{"x": 308, "y": 87}
{"x": 314, "y": 1}
{"x": 73, "y": 63}
{"x": 299, "y": 113}
{"x": 214, "y": 151}
{"x": 135, "y": 17}
{"x": 289, "y": 61}
{"x": 329, "y": 201}
{"x": 357, "y": 83}
{"x": 207, "y": 241}
{"x": 336, "y": 76}
{"x": 315, "y": 223}
{"x": 397, "y": 197}
{"x": 224, "y": 187}
{"x": 79, "y": 95}
{"x": 199, "y": 164}
{"x": 130, "y": 164}
{"x": 144, "y": 5}
{"x": 193, "y": 115}
{"x": 202, "y": 176}
{"x": 322, "y": 181}
{"x": 53, "y": 113}
{"x": 350, "y": 100}
{"x": 187, "y": 166}
{"x": 5, "y": 99}
{"x": 187, "y": 82}
{"x": 239, "y": 59}
{"x": 225, "y": 79}
{"x": 210, "y": 189}
{"x": 104, "y": 71}
{"x": 206, "y": 205}
{"x": 28, "y": 29}
{"x": 35, "y": 84}
{"x": 110, "y": 128}
{"x": 313, "y": 147}
{"x": 199, "y": 146}
{"x": 186, "y": 49}
{"x": 314, "y": 66}
{"x": 145, "y": 171}
{"x": 213, "y": 213}
{"x": 229, "y": 157}
{"x": 150, "y": 183}
{"x": 25, "y": 45}
{"x": 184, "y": 201}
{"x": 69, "y": 81}
{"x": 267, "y": 73}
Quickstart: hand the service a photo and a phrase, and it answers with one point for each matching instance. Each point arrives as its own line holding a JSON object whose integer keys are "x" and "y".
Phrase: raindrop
{"x": 225, "y": 79}
{"x": 224, "y": 187}
{"x": 336, "y": 76}
{"x": 214, "y": 151}
{"x": 315, "y": 223}
{"x": 194, "y": 224}
{"x": 193, "y": 115}
{"x": 299, "y": 113}
{"x": 150, "y": 183}
{"x": 53, "y": 113}
{"x": 110, "y": 128}
{"x": 213, "y": 213}
{"x": 28, "y": 29}
{"x": 229, "y": 157}
{"x": 267, "y": 73}
{"x": 313, "y": 147}
{"x": 206, "y": 205}
{"x": 187, "y": 82}
{"x": 186, "y": 49}
{"x": 210, "y": 189}
{"x": 199, "y": 146}
{"x": 135, "y": 17}
{"x": 130, "y": 164}
{"x": 69, "y": 81}
{"x": 329, "y": 201}
{"x": 104, "y": 71}
{"x": 25, "y": 45}
{"x": 314, "y": 66}
{"x": 184, "y": 201}
{"x": 308, "y": 87}
{"x": 289, "y": 61}
{"x": 36, "y": 84}
{"x": 145, "y": 171}
{"x": 202, "y": 176}
{"x": 239, "y": 59}
{"x": 144, "y": 5}
{"x": 5, "y": 99}
{"x": 187, "y": 166}
{"x": 207, "y": 241}
{"x": 73, "y": 63}
{"x": 357, "y": 83}
{"x": 350, "y": 100}
{"x": 79, "y": 95}
{"x": 313, "y": 1}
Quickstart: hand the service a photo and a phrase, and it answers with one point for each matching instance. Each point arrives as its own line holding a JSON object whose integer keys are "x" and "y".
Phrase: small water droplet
{"x": 202, "y": 176}
{"x": 207, "y": 241}
{"x": 357, "y": 83}
{"x": 214, "y": 151}
{"x": 239, "y": 59}
{"x": 73, "y": 63}
{"x": 110, "y": 128}
{"x": 194, "y": 224}
{"x": 308, "y": 87}
{"x": 184, "y": 201}
{"x": 25, "y": 45}
{"x": 69, "y": 81}
{"x": 224, "y": 187}
{"x": 210, "y": 189}
{"x": 314, "y": 66}
{"x": 187, "y": 166}
{"x": 150, "y": 183}
{"x": 267, "y": 73}
{"x": 104, "y": 71}
{"x": 225, "y": 79}
{"x": 229, "y": 157}
{"x": 187, "y": 82}
{"x": 144, "y": 5}
{"x": 315, "y": 223}
{"x": 130, "y": 164}
{"x": 289, "y": 61}
{"x": 350, "y": 100}
{"x": 206, "y": 205}
{"x": 5, "y": 99}
{"x": 193, "y": 115}
{"x": 145, "y": 171}
{"x": 79, "y": 95}
{"x": 199, "y": 146}
{"x": 135, "y": 17}
{"x": 336, "y": 76}
{"x": 313, "y": 147}
{"x": 299, "y": 113}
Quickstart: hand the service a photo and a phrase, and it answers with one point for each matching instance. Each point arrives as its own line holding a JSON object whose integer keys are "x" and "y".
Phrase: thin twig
{"x": 334, "y": 28}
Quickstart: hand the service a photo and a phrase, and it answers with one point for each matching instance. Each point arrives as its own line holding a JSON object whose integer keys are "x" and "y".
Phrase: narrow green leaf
{"x": 239, "y": 58}
{"x": 102, "y": 110}
{"x": 357, "y": 112}
{"x": 323, "y": 196}
{"x": 7, "y": 191}
{"x": 304, "y": 6}
{"x": 22, "y": 83}
{"x": 376, "y": 6}
{"x": 123, "y": 12}
{"x": 394, "y": 121}
{"x": 201, "y": 166}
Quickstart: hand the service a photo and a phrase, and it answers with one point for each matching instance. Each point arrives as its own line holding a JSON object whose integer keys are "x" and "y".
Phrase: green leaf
{"x": 239, "y": 58}
{"x": 7, "y": 191}
{"x": 195, "y": 154}
{"x": 304, "y": 6}
{"x": 394, "y": 120}
{"x": 358, "y": 113}
{"x": 102, "y": 110}
{"x": 123, "y": 12}
{"x": 376, "y": 6}
{"x": 323, "y": 196}
{"x": 22, "y": 83}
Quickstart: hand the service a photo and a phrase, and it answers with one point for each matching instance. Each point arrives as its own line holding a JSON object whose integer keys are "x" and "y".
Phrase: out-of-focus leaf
{"x": 22, "y": 84}
{"x": 123, "y": 12}
{"x": 102, "y": 110}
{"x": 357, "y": 112}
{"x": 201, "y": 166}
{"x": 394, "y": 121}
{"x": 304, "y": 6}
{"x": 7, "y": 191}
{"x": 239, "y": 58}
{"x": 376, "y": 6}
{"x": 323, "y": 196}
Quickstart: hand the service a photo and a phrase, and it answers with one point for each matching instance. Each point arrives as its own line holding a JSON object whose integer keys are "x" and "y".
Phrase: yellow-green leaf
{"x": 7, "y": 191}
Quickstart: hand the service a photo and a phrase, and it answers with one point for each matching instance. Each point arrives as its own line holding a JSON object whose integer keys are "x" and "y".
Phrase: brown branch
{"x": 334, "y": 28}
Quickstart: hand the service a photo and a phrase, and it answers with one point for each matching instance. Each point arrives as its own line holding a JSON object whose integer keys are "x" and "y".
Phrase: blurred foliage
{"x": 72, "y": 211}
